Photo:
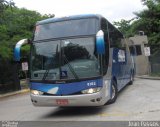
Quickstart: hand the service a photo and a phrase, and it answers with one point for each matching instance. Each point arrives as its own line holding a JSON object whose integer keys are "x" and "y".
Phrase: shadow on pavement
{"x": 74, "y": 111}
{"x": 81, "y": 111}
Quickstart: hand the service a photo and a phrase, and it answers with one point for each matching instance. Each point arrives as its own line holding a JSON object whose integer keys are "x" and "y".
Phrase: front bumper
{"x": 95, "y": 99}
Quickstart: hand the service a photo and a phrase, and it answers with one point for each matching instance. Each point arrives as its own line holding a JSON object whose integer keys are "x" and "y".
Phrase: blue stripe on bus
{"x": 67, "y": 88}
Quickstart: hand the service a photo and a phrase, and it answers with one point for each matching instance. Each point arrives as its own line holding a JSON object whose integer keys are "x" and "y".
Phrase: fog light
{"x": 36, "y": 92}
{"x": 91, "y": 90}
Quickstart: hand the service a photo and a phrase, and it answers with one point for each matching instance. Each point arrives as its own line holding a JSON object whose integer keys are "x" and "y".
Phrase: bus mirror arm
{"x": 18, "y": 48}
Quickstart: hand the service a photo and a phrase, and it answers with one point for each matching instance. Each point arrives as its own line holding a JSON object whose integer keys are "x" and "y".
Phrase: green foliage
{"x": 149, "y": 21}
{"x": 15, "y": 25}
{"x": 125, "y": 27}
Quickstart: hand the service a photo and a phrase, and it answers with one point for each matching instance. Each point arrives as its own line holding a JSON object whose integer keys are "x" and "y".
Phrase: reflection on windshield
{"x": 65, "y": 59}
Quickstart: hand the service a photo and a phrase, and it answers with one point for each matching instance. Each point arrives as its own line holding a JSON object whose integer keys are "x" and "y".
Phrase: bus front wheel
{"x": 114, "y": 93}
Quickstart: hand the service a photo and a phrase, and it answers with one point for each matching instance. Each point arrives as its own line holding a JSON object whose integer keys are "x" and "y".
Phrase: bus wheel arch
{"x": 114, "y": 91}
{"x": 114, "y": 79}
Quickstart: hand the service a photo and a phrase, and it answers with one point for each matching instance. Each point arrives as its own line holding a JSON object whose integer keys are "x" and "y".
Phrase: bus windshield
{"x": 66, "y": 28}
{"x": 64, "y": 59}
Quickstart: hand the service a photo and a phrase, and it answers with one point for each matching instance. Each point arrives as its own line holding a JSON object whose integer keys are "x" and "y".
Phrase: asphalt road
{"x": 140, "y": 101}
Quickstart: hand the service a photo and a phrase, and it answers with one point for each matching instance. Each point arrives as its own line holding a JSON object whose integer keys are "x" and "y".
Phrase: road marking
{"x": 113, "y": 114}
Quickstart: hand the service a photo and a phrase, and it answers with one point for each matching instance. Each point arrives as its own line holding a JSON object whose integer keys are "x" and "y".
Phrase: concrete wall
{"x": 141, "y": 61}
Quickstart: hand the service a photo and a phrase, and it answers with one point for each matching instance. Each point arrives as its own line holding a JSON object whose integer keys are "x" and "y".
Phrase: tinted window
{"x": 66, "y": 28}
{"x": 106, "y": 56}
{"x": 104, "y": 24}
{"x": 115, "y": 37}
{"x": 132, "y": 50}
{"x": 63, "y": 59}
{"x": 138, "y": 50}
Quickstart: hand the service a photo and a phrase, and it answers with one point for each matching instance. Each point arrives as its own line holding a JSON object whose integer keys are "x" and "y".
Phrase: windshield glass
{"x": 64, "y": 59}
{"x": 67, "y": 28}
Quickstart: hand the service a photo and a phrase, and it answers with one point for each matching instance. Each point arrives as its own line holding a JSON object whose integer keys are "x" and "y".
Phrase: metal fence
{"x": 9, "y": 80}
{"x": 155, "y": 64}
{"x": 154, "y": 59}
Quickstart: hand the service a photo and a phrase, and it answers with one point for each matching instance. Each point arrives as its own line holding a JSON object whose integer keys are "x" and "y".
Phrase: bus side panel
{"x": 116, "y": 68}
{"x": 108, "y": 76}
{"x": 127, "y": 68}
{"x": 120, "y": 67}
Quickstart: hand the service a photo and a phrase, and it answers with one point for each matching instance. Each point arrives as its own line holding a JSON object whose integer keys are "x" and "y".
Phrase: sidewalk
{"x": 147, "y": 77}
{"x": 24, "y": 89}
{"x": 14, "y": 93}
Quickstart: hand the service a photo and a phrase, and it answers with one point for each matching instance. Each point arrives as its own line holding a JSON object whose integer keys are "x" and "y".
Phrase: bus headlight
{"x": 91, "y": 90}
{"x": 36, "y": 92}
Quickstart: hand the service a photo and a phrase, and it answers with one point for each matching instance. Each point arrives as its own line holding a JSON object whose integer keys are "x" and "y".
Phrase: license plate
{"x": 62, "y": 102}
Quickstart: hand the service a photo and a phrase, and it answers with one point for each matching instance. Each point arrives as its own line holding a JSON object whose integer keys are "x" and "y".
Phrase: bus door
{"x": 117, "y": 67}
{"x": 122, "y": 60}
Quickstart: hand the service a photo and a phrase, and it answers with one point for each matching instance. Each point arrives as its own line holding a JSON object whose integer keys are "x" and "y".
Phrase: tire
{"x": 131, "y": 78}
{"x": 114, "y": 92}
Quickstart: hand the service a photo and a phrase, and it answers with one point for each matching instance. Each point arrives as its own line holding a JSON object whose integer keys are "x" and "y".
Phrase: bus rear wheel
{"x": 131, "y": 78}
{"x": 114, "y": 93}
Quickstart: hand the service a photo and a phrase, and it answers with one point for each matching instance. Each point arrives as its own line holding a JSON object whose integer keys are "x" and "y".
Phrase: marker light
{"x": 91, "y": 90}
{"x": 36, "y": 92}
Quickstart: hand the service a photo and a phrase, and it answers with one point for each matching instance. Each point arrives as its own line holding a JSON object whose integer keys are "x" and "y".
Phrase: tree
{"x": 125, "y": 26}
{"x": 13, "y": 29}
{"x": 15, "y": 24}
{"x": 149, "y": 20}
{"x": 5, "y": 4}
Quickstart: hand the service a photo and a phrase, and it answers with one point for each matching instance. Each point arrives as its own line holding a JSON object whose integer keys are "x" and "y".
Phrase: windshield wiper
{"x": 68, "y": 64}
{"x": 70, "y": 67}
{"x": 45, "y": 74}
{"x": 47, "y": 71}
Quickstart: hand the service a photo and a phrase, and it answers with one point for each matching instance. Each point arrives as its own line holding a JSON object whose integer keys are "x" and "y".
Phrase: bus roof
{"x": 50, "y": 20}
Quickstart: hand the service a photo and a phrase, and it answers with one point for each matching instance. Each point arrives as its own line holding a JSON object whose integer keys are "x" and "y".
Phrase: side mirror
{"x": 18, "y": 48}
{"x": 100, "y": 43}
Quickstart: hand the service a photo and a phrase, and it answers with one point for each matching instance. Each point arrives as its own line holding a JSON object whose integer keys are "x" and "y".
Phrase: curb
{"x": 147, "y": 77}
{"x": 14, "y": 93}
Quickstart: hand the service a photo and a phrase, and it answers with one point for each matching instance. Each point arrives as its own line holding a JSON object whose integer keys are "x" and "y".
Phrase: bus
{"x": 80, "y": 60}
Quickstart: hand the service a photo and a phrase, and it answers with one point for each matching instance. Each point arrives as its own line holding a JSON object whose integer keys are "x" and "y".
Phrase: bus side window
{"x": 125, "y": 48}
{"x": 115, "y": 37}
{"x": 106, "y": 56}
{"x": 104, "y": 28}
{"x": 104, "y": 24}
